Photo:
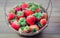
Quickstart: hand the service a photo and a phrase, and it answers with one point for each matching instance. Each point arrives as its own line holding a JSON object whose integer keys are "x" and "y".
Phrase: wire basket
{"x": 49, "y": 3}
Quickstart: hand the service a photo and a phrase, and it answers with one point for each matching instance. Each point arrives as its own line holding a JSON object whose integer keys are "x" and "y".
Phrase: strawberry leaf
{"x": 22, "y": 21}
{"x": 22, "y": 28}
{"x": 39, "y": 24}
{"x": 34, "y": 30}
{"x": 26, "y": 28}
{"x": 33, "y": 6}
{"x": 12, "y": 11}
{"x": 19, "y": 13}
{"x": 37, "y": 15}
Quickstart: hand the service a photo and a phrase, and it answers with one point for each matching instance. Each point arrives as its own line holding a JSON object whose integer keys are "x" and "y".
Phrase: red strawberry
{"x": 17, "y": 8}
{"x": 37, "y": 10}
{"x": 24, "y": 6}
{"x": 11, "y": 16}
{"x": 45, "y": 15}
{"x": 15, "y": 25}
{"x": 34, "y": 27}
{"x": 28, "y": 12}
{"x": 30, "y": 20}
{"x": 20, "y": 17}
{"x": 43, "y": 21}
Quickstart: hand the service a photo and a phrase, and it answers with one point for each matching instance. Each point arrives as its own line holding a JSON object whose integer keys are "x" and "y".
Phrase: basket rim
{"x": 29, "y": 34}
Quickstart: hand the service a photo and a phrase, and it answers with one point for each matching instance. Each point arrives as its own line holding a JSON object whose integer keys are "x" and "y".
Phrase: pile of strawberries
{"x": 27, "y": 17}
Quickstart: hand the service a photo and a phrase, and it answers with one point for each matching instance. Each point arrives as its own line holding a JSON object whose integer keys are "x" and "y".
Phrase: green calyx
{"x": 34, "y": 30}
{"x": 33, "y": 6}
{"x": 14, "y": 19}
{"x": 39, "y": 24}
{"x": 22, "y": 21}
{"x": 37, "y": 15}
{"x": 22, "y": 28}
{"x": 12, "y": 11}
{"x": 30, "y": 4}
{"x": 26, "y": 28}
{"x": 19, "y": 13}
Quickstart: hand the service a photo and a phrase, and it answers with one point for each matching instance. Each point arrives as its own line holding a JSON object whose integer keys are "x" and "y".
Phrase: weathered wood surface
{"x": 52, "y": 31}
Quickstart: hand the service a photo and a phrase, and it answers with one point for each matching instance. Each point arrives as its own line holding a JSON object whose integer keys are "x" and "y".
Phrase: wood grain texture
{"x": 52, "y": 31}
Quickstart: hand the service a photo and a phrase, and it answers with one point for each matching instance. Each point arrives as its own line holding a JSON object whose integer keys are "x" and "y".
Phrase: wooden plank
{"x": 52, "y": 31}
{"x": 2, "y": 3}
{"x": 53, "y": 28}
{"x": 2, "y": 16}
{"x": 55, "y": 19}
{"x": 38, "y": 36}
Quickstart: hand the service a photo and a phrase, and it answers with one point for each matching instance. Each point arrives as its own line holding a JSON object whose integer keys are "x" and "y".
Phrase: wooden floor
{"x": 52, "y": 31}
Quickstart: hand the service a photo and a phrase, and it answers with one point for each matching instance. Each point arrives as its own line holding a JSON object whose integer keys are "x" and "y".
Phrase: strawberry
{"x": 30, "y": 4}
{"x": 20, "y": 14}
{"x": 11, "y": 16}
{"x": 38, "y": 15}
{"x": 26, "y": 29}
{"x": 28, "y": 12}
{"x": 30, "y": 20}
{"x": 22, "y": 21}
{"x": 12, "y": 11}
{"x": 17, "y": 8}
{"x": 21, "y": 29}
{"x": 43, "y": 21}
{"x": 34, "y": 28}
{"x": 45, "y": 15}
{"x": 15, "y": 25}
{"x": 24, "y": 6}
{"x": 34, "y": 7}
{"x": 38, "y": 10}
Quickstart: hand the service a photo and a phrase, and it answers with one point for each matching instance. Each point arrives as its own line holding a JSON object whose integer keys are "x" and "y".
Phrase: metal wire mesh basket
{"x": 48, "y": 4}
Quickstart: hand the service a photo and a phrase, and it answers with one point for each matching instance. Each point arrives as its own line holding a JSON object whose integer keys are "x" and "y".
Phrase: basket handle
{"x": 5, "y": 13}
{"x": 49, "y": 3}
{"x": 5, "y": 8}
